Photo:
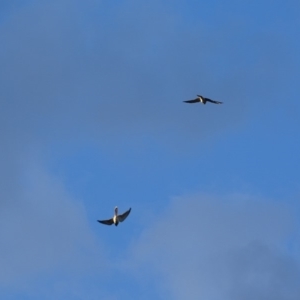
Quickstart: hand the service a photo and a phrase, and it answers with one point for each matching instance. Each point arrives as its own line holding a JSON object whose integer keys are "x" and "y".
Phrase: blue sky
{"x": 92, "y": 117}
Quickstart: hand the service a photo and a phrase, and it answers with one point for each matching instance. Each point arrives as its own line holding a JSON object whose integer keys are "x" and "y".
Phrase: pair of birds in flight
{"x": 116, "y": 219}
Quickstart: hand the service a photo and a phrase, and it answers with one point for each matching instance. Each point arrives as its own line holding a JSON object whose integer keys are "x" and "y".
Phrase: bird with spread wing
{"x": 203, "y": 100}
{"x": 116, "y": 218}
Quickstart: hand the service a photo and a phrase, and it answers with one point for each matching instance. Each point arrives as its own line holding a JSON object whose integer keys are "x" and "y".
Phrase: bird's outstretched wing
{"x": 106, "y": 222}
{"x": 213, "y": 101}
{"x": 192, "y": 101}
{"x": 122, "y": 217}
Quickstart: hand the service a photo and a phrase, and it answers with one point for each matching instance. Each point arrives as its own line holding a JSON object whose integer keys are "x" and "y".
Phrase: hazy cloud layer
{"x": 127, "y": 71}
{"x": 44, "y": 230}
{"x": 221, "y": 248}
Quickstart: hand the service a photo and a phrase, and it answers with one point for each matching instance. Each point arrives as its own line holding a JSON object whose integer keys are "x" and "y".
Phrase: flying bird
{"x": 202, "y": 100}
{"x": 116, "y": 218}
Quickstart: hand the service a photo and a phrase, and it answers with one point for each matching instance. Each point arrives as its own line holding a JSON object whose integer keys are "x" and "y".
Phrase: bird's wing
{"x": 106, "y": 222}
{"x": 213, "y": 101}
{"x": 122, "y": 217}
{"x": 192, "y": 101}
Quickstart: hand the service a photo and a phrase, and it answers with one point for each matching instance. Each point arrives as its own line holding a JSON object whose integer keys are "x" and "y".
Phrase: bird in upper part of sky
{"x": 116, "y": 218}
{"x": 202, "y": 100}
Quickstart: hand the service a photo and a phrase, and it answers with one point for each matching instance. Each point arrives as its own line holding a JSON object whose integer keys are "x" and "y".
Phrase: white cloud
{"x": 220, "y": 248}
{"x": 44, "y": 231}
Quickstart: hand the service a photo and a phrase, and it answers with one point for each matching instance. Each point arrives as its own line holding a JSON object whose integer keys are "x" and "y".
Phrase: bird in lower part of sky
{"x": 202, "y": 100}
{"x": 116, "y": 218}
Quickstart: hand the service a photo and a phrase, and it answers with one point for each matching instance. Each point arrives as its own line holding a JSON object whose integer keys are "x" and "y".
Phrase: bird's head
{"x": 116, "y": 210}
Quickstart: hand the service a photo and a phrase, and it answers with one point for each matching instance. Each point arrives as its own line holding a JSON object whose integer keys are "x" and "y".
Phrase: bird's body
{"x": 203, "y": 100}
{"x": 116, "y": 219}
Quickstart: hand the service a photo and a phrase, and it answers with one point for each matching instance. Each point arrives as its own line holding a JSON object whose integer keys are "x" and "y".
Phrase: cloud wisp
{"x": 220, "y": 248}
{"x": 44, "y": 231}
